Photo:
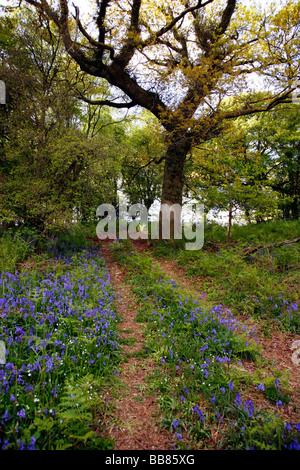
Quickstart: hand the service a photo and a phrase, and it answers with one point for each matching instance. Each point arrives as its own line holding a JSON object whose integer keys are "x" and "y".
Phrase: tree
{"x": 229, "y": 173}
{"x": 276, "y": 137}
{"x": 179, "y": 59}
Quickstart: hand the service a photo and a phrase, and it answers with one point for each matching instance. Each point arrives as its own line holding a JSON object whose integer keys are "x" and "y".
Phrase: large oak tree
{"x": 180, "y": 59}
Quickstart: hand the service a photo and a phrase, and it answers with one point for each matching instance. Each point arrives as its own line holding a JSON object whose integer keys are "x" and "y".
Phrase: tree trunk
{"x": 229, "y": 222}
{"x": 173, "y": 179}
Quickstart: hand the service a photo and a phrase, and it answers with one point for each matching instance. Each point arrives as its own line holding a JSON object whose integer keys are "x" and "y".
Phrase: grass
{"x": 264, "y": 285}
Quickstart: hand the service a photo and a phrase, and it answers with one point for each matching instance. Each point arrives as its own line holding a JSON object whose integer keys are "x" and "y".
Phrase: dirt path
{"x": 134, "y": 426}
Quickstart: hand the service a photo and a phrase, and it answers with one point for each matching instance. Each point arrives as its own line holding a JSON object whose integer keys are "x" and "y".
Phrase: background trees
{"x": 142, "y": 169}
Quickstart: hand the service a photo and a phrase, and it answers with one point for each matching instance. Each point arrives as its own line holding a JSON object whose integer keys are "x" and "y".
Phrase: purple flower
{"x": 31, "y": 446}
{"x": 238, "y": 399}
{"x": 260, "y": 387}
{"x": 294, "y": 445}
{"x": 6, "y": 416}
{"x": 21, "y": 413}
{"x": 175, "y": 423}
{"x": 196, "y": 409}
{"x": 250, "y": 411}
{"x": 231, "y": 386}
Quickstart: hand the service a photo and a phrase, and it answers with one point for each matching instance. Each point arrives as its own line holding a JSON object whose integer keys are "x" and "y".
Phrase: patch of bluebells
{"x": 284, "y": 312}
{"x": 54, "y": 326}
{"x": 201, "y": 346}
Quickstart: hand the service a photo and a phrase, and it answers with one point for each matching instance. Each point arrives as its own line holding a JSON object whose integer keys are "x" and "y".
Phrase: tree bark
{"x": 229, "y": 222}
{"x": 173, "y": 179}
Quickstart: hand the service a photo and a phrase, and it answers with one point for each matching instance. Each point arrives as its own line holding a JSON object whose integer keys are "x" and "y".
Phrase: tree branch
{"x": 93, "y": 42}
{"x": 80, "y": 96}
{"x": 226, "y": 17}
{"x": 250, "y": 250}
{"x": 154, "y": 36}
{"x": 248, "y": 109}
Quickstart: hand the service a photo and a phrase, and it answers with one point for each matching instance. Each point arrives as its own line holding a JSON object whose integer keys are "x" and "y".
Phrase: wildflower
{"x": 277, "y": 382}
{"x": 297, "y": 426}
{"x": 294, "y": 445}
{"x": 6, "y": 416}
{"x": 249, "y": 403}
{"x": 175, "y": 423}
{"x": 12, "y": 397}
{"x": 279, "y": 403}
{"x": 231, "y": 386}
{"x": 213, "y": 399}
{"x": 238, "y": 400}
{"x": 197, "y": 410}
{"x": 21, "y": 413}
{"x": 31, "y": 446}
{"x": 179, "y": 436}
{"x": 260, "y": 387}
{"x": 288, "y": 427}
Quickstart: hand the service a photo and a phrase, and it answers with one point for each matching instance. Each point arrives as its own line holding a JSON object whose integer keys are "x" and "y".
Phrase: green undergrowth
{"x": 206, "y": 396}
{"x": 264, "y": 285}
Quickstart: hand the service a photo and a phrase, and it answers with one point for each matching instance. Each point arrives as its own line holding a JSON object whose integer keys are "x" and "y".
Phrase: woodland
{"x": 140, "y": 344}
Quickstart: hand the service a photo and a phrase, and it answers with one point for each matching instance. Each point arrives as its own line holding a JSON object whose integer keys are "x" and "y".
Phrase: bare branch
{"x": 249, "y": 109}
{"x": 97, "y": 44}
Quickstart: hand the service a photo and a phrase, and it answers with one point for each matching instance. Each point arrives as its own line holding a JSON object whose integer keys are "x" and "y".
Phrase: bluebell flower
{"x": 175, "y": 423}
{"x": 260, "y": 387}
{"x": 238, "y": 399}
{"x": 6, "y": 416}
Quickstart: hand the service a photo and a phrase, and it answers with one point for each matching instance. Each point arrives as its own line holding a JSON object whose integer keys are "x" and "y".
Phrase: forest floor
{"x": 135, "y": 425}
